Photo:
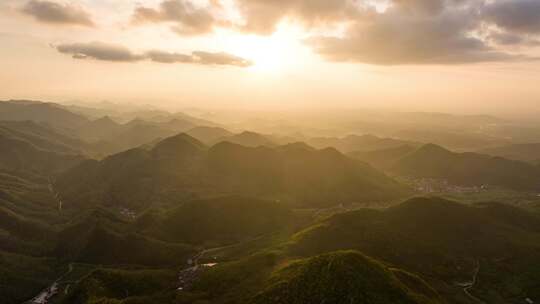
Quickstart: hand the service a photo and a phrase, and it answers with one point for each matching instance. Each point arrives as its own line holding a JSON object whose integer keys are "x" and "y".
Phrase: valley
{"x": 207, "y": 215}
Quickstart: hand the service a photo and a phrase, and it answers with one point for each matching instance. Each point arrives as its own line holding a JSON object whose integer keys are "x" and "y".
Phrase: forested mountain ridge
{"x": 182, "y": 165}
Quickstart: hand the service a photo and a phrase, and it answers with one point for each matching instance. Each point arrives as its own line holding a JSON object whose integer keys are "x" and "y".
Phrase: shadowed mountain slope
{"x": 48, "y": 113}
{"x": 442, "y": 240}
{"x": 523, "y": 152}
{"x": 433, "y": 161}
{"x": 181, "y": 168}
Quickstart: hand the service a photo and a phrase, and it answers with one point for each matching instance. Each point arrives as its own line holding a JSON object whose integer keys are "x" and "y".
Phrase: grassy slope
{"x": 338, "y": 277}
{"x": 468, "y": 168}
{"x": 439, "y": 239}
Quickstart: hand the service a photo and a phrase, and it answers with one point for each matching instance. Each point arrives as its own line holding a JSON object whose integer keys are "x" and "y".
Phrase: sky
{"x": 475, "y": 56}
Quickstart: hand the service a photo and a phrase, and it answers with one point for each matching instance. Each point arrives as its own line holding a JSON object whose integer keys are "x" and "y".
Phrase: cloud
{"x": 505, "y": 38}
{"x": 258, "y": 16}
{"x": 430, "y": 7}
{"x": 414, "y": 32}
{"x": 117, "y": 53}
{"x": 262, "y": 16}
{"x": 52, "y": 12}
{"x": 165, "y": 57}
{"x": 404, "y": 32}
{"x": 219, "y": 59}
{"x": 188, "y": 18}
{"x": 519, "y": 16}
{"x": 99, "y": 51}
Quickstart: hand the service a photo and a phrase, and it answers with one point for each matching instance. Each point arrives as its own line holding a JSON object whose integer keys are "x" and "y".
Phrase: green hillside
{"x": 468, "y": 169}
{"x": 23, "y": 277}
{"x": 439, "y": 239}
{"x": 109, "y": 285}
{"x": 222, "y": 220}
{"x": 43, "y": 137}
{"x": 101, "y": 238}
{"x": 180, "y": 168}
{"x": 27, "y": 153}
{"x": 341, "y": 277}
{"x": 303, "y": 176}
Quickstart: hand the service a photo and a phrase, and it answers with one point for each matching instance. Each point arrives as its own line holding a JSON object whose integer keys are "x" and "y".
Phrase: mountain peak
{"x": 297, "y": 146}
{"x": 137, "y": 121}
{"x": 433, "y": 148}
{"x": 250, "y": 139}
{"x": 181, "y": 144}
{"x": 105, "y": 120}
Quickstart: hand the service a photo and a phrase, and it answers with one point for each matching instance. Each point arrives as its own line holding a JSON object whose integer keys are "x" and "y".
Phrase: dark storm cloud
{"x": 188, "y": 18}
{"x": 117, "y": 53}
{"x": 52, "y": 12}
{"x": 503, "y": 38}
{"x": 429, "y": 6}
{"x": 521, "y": 16}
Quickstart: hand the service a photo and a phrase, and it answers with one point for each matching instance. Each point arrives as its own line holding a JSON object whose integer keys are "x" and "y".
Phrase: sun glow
{"x": 269, "y": 54}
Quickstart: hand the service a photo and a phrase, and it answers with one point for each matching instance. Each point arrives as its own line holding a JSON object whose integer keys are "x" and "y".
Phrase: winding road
{"x": 44, "y": 296}
{"x": 55, "y": 194}
{"x": 188, "y": 275}
{"x": 468, "y": 287}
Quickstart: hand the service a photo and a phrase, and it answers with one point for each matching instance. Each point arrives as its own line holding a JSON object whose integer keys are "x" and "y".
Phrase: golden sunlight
{"x": 270, "y": 54}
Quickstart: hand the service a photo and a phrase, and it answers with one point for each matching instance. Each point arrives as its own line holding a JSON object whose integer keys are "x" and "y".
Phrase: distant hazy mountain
{"x": 209, "y": 135}
{"x": 181, "y": 167}
{"x": 48, "y": 113}
{"x": 100, "y": 129}
{"x": 383, "y": 158}
{"x": 178, "y": 125}
{"x": 213, "y": 135}
{"x": 131, "y": 137}
{"x": 523, "y": 152}
{"x": 454, "y": 139}
{"x": 126, "y": 112}
{"x": 109, "y": 137}
{"x": 248, "y": 139}
{"x": 358, "y": 143}
{"x": 468, "y": 168}
{"x": 195, "y": 121}
{"x": 104, "y": 135}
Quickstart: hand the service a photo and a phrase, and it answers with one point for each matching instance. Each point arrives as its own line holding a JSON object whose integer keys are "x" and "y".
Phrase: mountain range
{"x": 138, "y": 205}
{"x": 183, "y": 167}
